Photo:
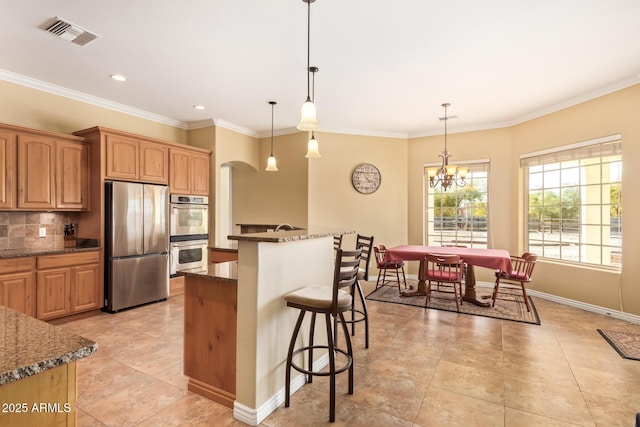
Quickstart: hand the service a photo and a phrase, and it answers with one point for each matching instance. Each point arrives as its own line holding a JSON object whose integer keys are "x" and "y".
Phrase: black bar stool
{"x": 332, "y": 301}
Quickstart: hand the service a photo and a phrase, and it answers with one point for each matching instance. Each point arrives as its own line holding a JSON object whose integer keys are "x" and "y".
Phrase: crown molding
{"x": 87, "y": 99}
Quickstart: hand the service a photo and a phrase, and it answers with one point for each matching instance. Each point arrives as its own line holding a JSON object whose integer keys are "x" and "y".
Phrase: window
{"x": 574, "y": 205}
{"x": 458, "y": 216}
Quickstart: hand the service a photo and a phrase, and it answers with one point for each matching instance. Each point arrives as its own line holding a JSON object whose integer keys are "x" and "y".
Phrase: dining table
{"x": 496, "y": 259}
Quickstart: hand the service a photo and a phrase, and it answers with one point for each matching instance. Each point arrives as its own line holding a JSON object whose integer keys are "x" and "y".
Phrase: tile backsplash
{"x": 20, "y": 230}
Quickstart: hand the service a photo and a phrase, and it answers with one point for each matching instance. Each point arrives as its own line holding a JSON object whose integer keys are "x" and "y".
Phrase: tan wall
{"x": 611, "y": 114}
{"x": 23, "y": 106}
{"x": 261, "y": 197}
{"x": 334, "y": 203}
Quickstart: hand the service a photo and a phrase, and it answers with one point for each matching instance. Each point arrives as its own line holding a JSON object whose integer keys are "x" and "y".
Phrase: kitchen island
{"x": 38, "y": 380}
{"x": 269, "y": 266}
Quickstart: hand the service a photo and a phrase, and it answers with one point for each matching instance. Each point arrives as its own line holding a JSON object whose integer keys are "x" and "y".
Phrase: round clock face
{"x": 366, "y": 178}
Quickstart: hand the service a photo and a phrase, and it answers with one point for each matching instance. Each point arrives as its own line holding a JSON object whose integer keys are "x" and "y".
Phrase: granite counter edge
{"x": 50, "y": 363}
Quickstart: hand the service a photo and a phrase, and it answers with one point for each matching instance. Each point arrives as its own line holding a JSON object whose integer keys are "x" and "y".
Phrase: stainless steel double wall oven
{"x": 189, "y": 233}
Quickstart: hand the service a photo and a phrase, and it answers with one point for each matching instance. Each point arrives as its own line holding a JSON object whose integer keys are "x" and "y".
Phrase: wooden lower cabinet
{"x": 18, "y": 285}
{"x": 56, "y": 388}
{"x": 68, "y": 284}
{"x": 53, "y": 290}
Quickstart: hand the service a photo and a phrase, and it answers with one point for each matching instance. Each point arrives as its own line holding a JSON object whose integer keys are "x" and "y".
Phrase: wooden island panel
{"x": 210, "y": 327}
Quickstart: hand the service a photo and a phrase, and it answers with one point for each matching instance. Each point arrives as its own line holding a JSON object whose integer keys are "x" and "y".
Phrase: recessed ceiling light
{"x": 118, "y": 77}
{"x": 199, "y": 107}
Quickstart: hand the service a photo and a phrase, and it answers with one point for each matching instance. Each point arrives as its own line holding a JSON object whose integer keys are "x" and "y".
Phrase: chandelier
{"x": 446, "y": 175}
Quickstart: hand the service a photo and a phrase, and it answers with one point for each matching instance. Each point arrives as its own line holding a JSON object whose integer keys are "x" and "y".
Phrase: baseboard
{"x": 254, "y": 417}
{"x": 616, "y": 314}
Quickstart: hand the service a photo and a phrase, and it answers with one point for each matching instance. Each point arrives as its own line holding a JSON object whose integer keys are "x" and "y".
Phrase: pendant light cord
{"x": 308, "y": 46}
{"x": 272, "y": 104}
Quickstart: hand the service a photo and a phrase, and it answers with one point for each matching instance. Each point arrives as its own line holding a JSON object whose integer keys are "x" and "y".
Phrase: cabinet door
{"x": 122, "y": 158}
{"x": 200, "y": 174}
{"x": 53, "y": 290}
{"x": 36, "y": 171}
{"x": 7, "y": 170}
{"x": 154, "y": 162}
{"x": 17, "y": 291}
{"x": 84, "y": 288}
{"x": 72, "y": 172}
{"x": 179, "y": 177}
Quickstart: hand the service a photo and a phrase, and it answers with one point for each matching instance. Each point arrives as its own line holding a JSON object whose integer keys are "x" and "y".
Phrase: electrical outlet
{"x": 42, "y": 232}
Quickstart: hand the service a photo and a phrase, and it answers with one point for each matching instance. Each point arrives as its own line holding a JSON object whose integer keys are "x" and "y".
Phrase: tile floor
{"x": 423, "y": 368}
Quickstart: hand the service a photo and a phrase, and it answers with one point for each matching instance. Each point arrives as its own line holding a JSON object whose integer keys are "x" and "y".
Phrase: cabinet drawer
{"x": 66, "y": 260}
{"x": 14, "y": 265}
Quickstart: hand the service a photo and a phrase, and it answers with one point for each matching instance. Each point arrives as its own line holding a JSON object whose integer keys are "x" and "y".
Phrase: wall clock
{"x": 366, "y": 178}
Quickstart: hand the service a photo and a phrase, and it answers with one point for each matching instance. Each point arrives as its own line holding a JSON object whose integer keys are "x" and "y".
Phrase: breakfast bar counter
{"x": 271, "y": 265}
{"x": 38, "y": 371}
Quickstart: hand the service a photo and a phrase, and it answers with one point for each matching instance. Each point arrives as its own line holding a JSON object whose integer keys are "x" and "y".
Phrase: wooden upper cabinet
{"x": 200, "y": 174}
{"x": 154, "y": 162}
{"x": 136, "y": 160}
{"x": 189, "y": 172}
{"x": 72, "y": 175}
{"x": 123, "y": 158}
{"x": 7, "y": 170}
{"x": 179, "y": 181}
{"x": 36, "y": 172}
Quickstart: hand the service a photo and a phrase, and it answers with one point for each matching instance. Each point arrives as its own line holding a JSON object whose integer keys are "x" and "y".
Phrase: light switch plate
{"x": 42, "y": 232}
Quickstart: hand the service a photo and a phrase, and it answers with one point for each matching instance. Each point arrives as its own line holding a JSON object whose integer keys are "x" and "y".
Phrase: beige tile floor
{"x": 423, "y": 368}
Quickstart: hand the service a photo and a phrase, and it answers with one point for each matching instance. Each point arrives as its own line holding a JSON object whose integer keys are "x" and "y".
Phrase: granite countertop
{"x": 287, "y": 236}
{"x": 83, "y": 245}
{"x": 223, "y": 271}
{"x": 30, "y": 346}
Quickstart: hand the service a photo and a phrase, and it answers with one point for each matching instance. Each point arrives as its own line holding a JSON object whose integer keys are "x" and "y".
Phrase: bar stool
{"x": 332, "y": 302}
{"x": 360, "y": 314}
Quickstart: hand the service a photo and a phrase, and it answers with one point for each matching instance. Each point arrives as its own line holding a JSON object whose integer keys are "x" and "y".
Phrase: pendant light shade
{"x": 312, "y": 148}
{"x": 308, "y": 120}
{"x": 271, "y": 161}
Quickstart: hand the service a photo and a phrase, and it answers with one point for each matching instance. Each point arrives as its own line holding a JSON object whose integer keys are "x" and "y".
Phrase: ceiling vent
{"x": 68, "y": 31}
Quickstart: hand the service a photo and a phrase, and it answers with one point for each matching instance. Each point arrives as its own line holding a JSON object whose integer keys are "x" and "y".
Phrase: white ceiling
{"x": 386, "y": 66}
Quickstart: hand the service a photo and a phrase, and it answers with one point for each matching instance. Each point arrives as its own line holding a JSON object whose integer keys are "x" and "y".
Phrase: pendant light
{"x": 308, "y": 119}
{"x": 447, "y": 175}
{"x": 271, "y": 161}
{"x": 312, "y": 145}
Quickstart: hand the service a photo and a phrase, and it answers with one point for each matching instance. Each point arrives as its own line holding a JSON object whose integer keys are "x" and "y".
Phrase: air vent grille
{"x": 68, "y": 31}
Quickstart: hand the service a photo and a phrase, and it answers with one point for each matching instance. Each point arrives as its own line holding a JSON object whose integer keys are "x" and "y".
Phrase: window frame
{"x": 562, "y": 160}
{"x": 479, "y": 165}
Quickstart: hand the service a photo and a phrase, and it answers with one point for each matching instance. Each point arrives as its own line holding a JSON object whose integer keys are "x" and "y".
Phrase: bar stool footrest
{"x": 346, "y": 366}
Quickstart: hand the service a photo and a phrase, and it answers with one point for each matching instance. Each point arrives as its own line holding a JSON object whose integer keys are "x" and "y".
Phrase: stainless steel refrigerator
{"x": 136, "y": 244}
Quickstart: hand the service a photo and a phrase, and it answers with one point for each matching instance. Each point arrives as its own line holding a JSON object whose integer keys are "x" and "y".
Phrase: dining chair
{"x": 522, "y": 269}
{"x": 360, "y": 314}
{"x": 387, "y": 268}
{"x": 333, "y": 301}
{"x": 446, "y": 272}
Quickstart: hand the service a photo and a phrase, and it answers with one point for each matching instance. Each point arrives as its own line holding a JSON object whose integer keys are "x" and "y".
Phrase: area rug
{"x": 627, "y": 344}
{"x": 505, "y": 310}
